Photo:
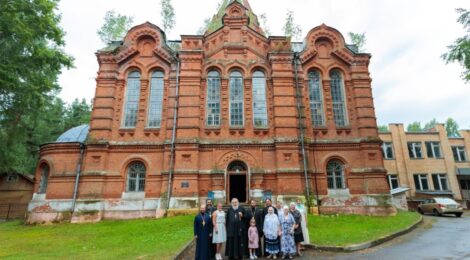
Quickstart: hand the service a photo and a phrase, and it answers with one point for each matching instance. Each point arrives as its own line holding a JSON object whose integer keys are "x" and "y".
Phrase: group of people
{"x": 250, "y": 233}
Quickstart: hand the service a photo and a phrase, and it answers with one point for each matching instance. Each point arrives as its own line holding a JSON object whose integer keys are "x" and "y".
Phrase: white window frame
{"x": 343, "y": 110}
{"x": 388, "y": 145}
{"x": 333, "y": 174}
{"x": 394, "y": 177}
{"x": 139, "y": 179}
{"x": 441, "y": 177}
{"x": 213, "y": 75}
{"x": 413, "y": 151}
{"x": 240, "y": 101}
{"x": 434, "y": 146}
{"x": 421, "y": 177}
{"x": 460, "y": 152}
{"x": 156, "y": 95}
{"x": 126, "y": 112}
{"x": 315, "y": 94}
{"x": 260, "y": 99}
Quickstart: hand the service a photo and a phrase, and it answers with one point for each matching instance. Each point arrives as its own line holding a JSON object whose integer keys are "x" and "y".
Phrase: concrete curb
{"x": 185, "y": 250}
{"x": 368, "y": 244}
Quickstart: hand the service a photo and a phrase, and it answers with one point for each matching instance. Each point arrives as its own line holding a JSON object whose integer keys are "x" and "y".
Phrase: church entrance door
{"x": 237, "y": 173}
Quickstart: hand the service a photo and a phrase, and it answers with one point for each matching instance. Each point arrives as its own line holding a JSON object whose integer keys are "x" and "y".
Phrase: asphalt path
{"x": 444, "y": 237}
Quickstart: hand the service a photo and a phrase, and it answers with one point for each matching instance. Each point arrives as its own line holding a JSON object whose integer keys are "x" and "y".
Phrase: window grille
{"x": 155, "y": 100}
{"x": 236, "y": 99}
{"x": 136, "y": 177}
{"x": 337, "y": 95}
{"x": 316, "y": 99}
{"x": 335, "y": 172}
{"x": 131, "y": 105}
{"x": 213, "y": 99}
{"x": 260, "y": 112}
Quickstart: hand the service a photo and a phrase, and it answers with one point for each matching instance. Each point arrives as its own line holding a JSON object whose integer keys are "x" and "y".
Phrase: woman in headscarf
{"x": 298, "y": 236}
{"x": 303, "y": 211}
{"x": 272, "y": 231}
{"x": 287, "y": 233}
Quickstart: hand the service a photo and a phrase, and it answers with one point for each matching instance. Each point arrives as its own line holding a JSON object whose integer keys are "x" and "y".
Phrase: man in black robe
{"x": 236, "y": 240}
{"x": 202, "y": 234}
{"x": 210, "y": 210}
{"x": 257, "y": 213}
{"x": 268, "y": 204}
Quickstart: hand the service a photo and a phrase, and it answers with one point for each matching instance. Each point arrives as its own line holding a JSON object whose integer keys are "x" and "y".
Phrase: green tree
{"x": 383, "y": 128}
{"x": 264, "y": 24}
{"x": 115, "y": 27}
{"x": 414, "y": 127}
{"x": 204, "y": 27}
{"x": 77, "y": 113}
{"x": 430, "y": 124}
{"x": 459, "y": 51}
{"x": 168, "y": 16}
{"x": 452, "y": 128}
{"x": 31, "y": 43}
{"x": 292, "y": 30}
{"x": 358, "y": 39}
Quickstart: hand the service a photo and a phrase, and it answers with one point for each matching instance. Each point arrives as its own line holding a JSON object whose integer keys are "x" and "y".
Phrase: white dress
{"x": 221, "y": 235}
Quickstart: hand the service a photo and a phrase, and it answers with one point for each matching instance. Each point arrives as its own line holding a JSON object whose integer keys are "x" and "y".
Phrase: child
{"x": 253, "y": 238}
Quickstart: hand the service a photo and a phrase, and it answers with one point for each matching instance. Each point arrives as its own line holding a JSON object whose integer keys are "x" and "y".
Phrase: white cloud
{"x": 406, "y": 39}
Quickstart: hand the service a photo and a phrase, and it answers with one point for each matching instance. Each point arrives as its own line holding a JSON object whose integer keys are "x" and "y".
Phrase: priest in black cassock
{"x": 257, "y": 213}
{"x": 236, "y": 239}
{"x": 203, "y": 234}
{"x": 210, "y": 210}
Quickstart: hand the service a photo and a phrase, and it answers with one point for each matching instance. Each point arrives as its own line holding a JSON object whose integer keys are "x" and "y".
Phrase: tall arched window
{"x": 213, "y": 99}
{"x": 335, "y": 174}
{"x": 316, "y": 98}
{"x": 136, "y": 177}
{"x": 154, "y": 118}
{"x": 131, "y": 105}
{"x": 44, "y": 179}
{"x": 260, "y": 111}
{"x": 236, "y": 99}
{"x": 337, "y": 95}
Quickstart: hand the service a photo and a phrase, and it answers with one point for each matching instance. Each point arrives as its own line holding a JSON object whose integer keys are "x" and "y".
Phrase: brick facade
{"x": 270, "y": 157}
{"x": 404, "y": 167}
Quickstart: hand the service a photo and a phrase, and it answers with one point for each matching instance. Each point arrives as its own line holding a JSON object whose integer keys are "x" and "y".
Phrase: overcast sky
{"x": 406, "y": 39}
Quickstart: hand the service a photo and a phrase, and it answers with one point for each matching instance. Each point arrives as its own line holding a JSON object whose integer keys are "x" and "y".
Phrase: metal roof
{"x": 75, "y": 135}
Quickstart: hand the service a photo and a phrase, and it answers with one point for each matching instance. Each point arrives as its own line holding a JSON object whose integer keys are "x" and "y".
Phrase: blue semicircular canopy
{"x": 74, "y": 135}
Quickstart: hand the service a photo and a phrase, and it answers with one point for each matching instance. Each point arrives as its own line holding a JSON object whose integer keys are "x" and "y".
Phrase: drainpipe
{"x": 316, "y": 180}
{"x": 77, "y": 176}
{"x": 173, "y": 139}
{"x": 301, "y": 128}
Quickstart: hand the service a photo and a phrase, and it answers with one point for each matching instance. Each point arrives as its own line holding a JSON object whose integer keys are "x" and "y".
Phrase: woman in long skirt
{"x": 303, "y": 211}
{"x": 287, "y": 233}
{"x": 219, "y": 235}
{"x": 271, "y": 230}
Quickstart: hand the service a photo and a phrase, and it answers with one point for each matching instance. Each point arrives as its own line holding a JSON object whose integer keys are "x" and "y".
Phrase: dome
{"x": 74, "y": 135}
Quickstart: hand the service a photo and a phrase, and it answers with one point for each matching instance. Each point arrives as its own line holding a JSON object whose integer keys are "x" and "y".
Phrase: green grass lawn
{"x": 345, "y": 230}
{"x": 142, "y": 239}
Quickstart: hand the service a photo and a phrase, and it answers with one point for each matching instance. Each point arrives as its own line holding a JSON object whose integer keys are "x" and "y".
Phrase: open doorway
{"x": 237, "y": 178}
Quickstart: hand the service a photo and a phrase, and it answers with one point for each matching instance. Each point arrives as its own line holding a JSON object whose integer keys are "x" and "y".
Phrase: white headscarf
{"x": 271, "y": 224}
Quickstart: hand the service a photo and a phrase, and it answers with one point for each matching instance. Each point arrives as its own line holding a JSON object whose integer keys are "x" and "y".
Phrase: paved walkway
{"x": 437, "y": 238}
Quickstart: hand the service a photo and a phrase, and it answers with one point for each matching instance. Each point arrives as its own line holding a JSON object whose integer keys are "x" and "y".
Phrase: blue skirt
{"x": 272, "y": 245}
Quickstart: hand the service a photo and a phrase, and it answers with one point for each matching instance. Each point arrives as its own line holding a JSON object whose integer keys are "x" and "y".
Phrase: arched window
{"x": 260, "y": 111}
{"x": 337, "y": 95}
{"x": 236, "y": 99}
{"x": 213, "y": 99}
{"x": 335, "y": 172}
{"x": 44, "y": 179}
{"x": 131, "y": 105}
{"x": 154, "y": 118}
{"x": 316, "y": 98}
{"x": 136, "y": 177}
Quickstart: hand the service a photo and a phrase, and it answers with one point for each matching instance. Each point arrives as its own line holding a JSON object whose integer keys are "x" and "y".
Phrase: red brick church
{"x": 231, "y": 113}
